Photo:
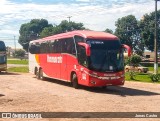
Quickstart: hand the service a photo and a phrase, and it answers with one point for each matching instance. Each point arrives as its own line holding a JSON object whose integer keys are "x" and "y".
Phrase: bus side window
{"x": 82, "y": 58}
{"x": 52, "y": 46}
{"x": 34, "y": 48}
{"x": 43, "y": 48}
{"x": 55, "y": 46}
{"x": 70, "y": 46}
{"x": 63, "y": 46}
{"x": 78, "y": 39}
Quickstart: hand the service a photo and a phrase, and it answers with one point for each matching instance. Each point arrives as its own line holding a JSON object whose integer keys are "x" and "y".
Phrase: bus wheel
{"x": 37, "y": 74}
{"x": 41, "y": 74}
{"x": 75, "y": 81}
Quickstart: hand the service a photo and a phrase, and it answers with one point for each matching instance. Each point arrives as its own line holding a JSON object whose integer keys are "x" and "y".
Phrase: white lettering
{"x": 51, "y": 59}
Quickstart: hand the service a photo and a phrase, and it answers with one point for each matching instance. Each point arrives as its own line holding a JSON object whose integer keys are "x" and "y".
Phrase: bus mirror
{"x": 128, "y": 49}
{"x": 87, "y": 47}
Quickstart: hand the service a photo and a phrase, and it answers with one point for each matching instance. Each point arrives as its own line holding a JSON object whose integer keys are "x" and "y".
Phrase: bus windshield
{"x": 2, "y": 46}
{"x": 106, "y": 56}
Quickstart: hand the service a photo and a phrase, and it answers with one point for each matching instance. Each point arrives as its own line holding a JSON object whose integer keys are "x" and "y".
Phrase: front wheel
{"x": 75, "y": 81}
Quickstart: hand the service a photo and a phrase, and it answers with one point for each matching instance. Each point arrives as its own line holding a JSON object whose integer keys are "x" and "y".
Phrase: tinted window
{"x": 70, "y": 46}
{"x": 2, "y": 46}
{"x": 79, "y": 39}
{"x": 34, "y": 48}
{"x": 82, "y": 58}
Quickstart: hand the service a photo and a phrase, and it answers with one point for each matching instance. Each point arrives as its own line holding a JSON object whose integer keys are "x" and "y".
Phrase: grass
{"x": 23, "y": 69}
{"x": 140, "y": 77}
{"x": 17, "y": 61}
{"x": 152, "y": 69}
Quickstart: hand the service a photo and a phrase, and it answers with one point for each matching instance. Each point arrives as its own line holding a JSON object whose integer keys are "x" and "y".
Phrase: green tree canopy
{"x": 147, "y": 25}
{"x": 19, "y": 53}
{"x": 64, "y": 26}
{"x": 108, "y": 31}
{"x": 30, "y": 31}
{"x": 129, "y": 33}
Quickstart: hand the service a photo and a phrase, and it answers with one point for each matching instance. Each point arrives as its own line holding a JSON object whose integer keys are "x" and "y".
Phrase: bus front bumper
{"x": 94, "y": 82}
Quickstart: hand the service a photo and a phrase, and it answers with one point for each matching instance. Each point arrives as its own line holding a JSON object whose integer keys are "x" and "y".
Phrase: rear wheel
{"x": 75, "y": 81}
{"x": 41, "y": 77}
{"x": 37, "y": 73}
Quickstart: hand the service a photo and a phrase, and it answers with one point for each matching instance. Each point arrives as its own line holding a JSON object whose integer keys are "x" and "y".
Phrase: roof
{"x": 83, "y": 33}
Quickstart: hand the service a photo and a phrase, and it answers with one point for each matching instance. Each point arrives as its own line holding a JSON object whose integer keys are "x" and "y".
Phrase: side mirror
{"x": 87, "y": 47}
{"x": 128, "y": 53}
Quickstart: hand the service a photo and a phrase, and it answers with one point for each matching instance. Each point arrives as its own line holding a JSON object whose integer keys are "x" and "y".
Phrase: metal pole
{"x": 155, "y": 42}
{"x": 69, "y": 18}
{"x": 14, "y": 43}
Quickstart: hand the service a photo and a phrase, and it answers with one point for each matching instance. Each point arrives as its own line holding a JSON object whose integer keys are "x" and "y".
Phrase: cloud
{"x": 95, "y": 14}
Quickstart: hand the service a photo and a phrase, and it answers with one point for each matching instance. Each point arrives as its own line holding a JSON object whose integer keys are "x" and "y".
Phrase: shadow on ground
{"x": 1, "y": 95}
{"x": 9, "y": 73}
{"x": 114, "y": 90}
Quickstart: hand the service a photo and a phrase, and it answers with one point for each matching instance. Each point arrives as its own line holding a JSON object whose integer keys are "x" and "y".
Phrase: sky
{"x": 94, "y": 14}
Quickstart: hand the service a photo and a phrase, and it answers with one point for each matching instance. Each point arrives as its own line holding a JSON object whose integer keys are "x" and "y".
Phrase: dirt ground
{"x": 24, "y": 93}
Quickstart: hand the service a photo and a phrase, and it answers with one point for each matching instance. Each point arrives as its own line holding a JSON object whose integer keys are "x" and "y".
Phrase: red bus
{"x": 90, "y": 58}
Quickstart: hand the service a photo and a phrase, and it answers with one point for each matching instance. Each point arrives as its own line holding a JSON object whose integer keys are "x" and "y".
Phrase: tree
{"x": 64, "y": 26}
{"x": 70, "y": 26}
{"x": 108, "y": 31}
{"x": 31, "y": 31}
{"x": 147, "y": 25}
{"x": 19, "y": 53}
{"x": 48, "y": 31}
{"x": 129, "y": 33}
{"x": 133, "y": 61}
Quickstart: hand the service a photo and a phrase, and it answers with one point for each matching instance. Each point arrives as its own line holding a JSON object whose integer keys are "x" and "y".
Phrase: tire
{"x": 41, "y": 77}
{"x": 75, "y": 81}
{"x": 127, "y": 70}
{"x": 139, "y": 70}
{"x": 145, "y": 71}
{"x": 37, "y": 73}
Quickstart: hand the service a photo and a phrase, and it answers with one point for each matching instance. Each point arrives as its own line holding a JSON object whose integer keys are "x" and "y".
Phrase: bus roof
{"x": 82, "y": 33}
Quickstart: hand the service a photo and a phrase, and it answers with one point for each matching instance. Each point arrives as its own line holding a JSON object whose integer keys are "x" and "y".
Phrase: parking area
{"x": 24, "y": 93}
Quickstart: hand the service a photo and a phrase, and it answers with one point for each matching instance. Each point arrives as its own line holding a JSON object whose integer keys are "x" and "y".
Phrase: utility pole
{"x": 69, "y": 17}
{"x": 15, "y": 43}
{"x": 155, "y": 41}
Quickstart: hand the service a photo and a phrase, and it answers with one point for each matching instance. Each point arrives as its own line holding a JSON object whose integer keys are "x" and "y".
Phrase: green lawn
{"x": 17, "y": 61}
{"x": 140, "y": 77}
{"x": 23, "y": 69}
{"x": 152, "y": 69}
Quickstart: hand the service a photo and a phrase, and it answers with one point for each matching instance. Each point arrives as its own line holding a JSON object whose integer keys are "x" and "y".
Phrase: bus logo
{"x": 51, "y": 59}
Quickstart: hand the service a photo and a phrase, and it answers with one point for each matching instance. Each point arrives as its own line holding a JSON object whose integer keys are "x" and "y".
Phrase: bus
{"x": 82, "y": 57}
{"x": 3, "y": 57}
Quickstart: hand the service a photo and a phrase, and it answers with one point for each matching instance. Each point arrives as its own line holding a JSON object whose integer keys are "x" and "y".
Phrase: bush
{"x": 134, "y": 60}
{"x": 19, "y": 53}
